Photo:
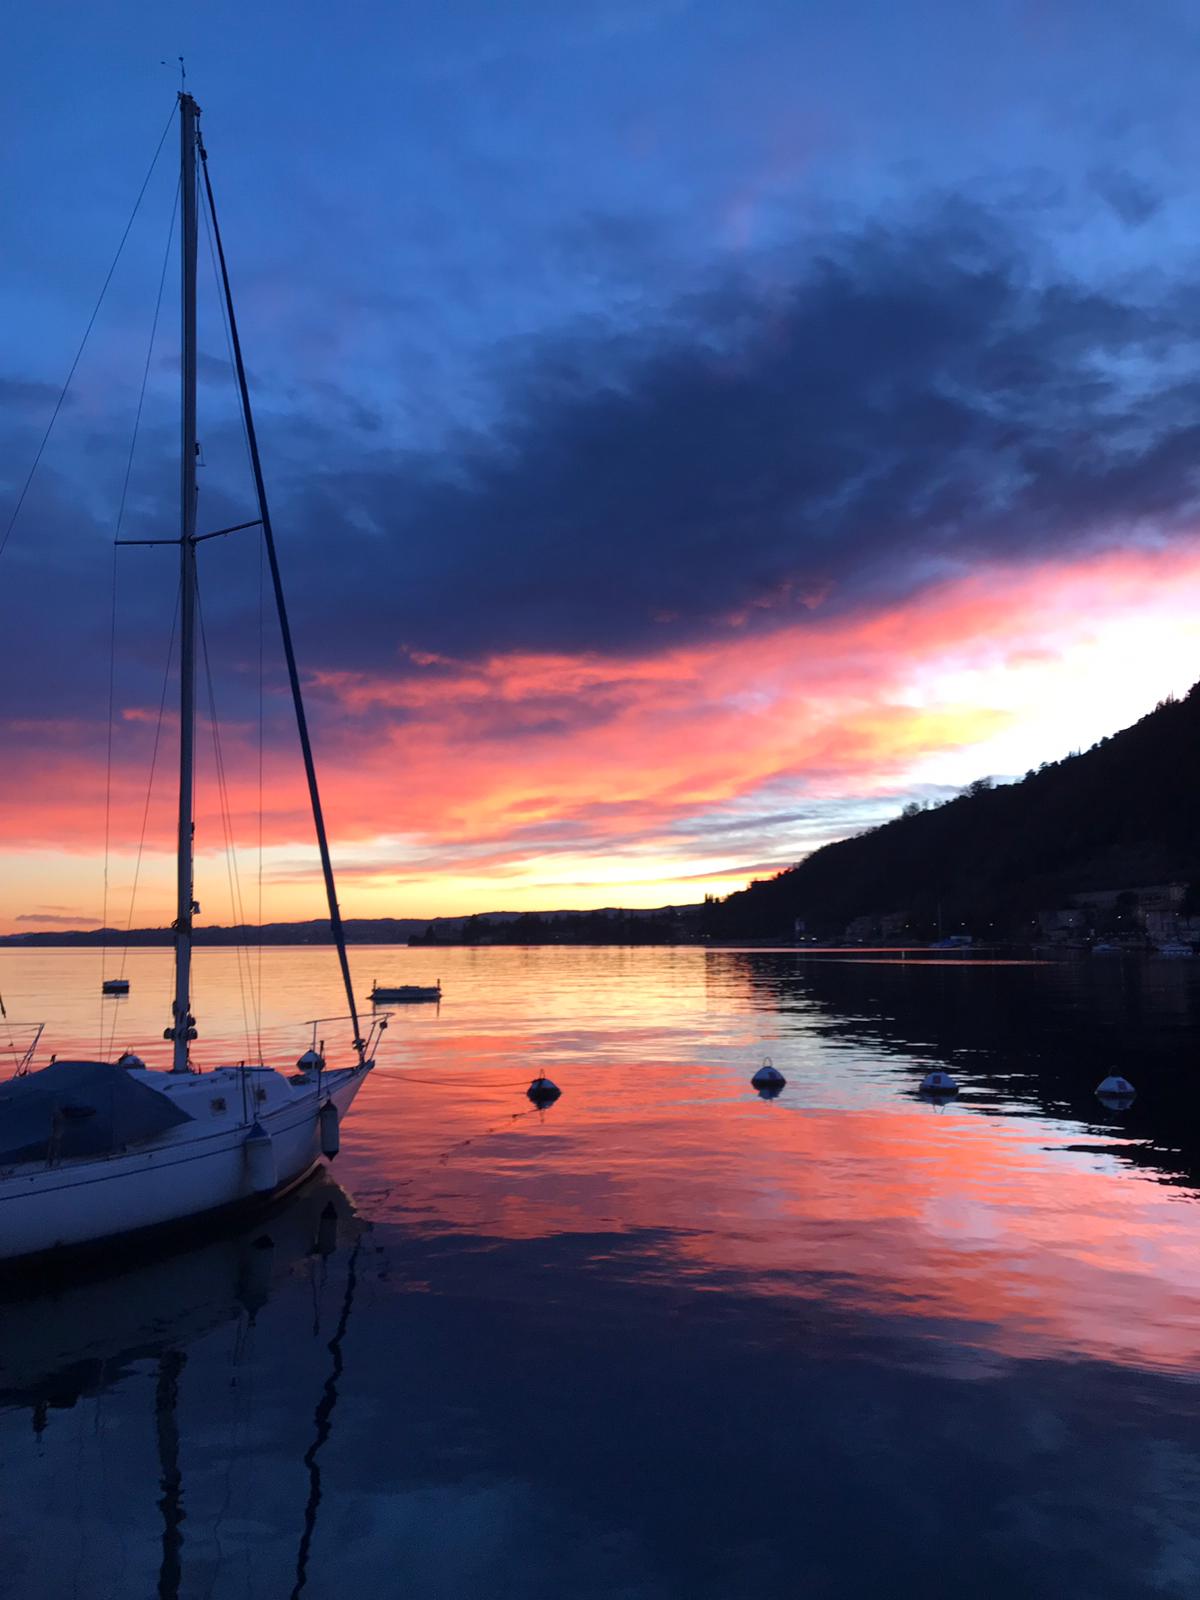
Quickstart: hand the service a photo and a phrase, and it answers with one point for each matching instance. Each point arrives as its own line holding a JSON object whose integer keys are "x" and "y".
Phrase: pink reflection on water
{"x": 976, "y": 1229}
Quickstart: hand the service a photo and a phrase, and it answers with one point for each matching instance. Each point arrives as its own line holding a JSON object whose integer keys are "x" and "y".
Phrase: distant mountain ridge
{"x": 485, "y": 927}
{"x": 1122, "y": 815}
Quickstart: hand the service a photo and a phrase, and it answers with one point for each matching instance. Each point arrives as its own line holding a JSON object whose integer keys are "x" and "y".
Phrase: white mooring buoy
{"x": 938, "y": 1084}
{"x": 768, "y": 1080}
{"x": 542, "y": 1091}
{"x": 1115, "y": 1092}
{"x": 311, "y": 1061}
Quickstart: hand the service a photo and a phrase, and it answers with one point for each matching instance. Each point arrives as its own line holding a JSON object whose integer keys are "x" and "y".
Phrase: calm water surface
{"x": 666, "y": 1338}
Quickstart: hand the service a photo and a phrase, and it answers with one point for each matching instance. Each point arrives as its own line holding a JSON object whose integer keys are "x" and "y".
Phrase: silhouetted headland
{"x": 1102, "y": 844}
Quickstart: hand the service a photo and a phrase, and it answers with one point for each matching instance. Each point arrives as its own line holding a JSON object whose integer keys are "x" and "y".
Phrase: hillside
{"x": 1121, "y": 815}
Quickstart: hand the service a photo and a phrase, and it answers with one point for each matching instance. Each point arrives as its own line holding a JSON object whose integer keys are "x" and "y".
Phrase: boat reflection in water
{"x": 67, "y": 1339}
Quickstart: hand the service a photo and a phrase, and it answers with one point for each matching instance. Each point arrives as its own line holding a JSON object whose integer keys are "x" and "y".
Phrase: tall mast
{"x": 182, "y": 1027}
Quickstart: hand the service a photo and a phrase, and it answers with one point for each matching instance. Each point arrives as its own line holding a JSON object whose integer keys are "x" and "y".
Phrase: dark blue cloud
{"x": 832, "y": 427}
{"x": 903, "y": 404}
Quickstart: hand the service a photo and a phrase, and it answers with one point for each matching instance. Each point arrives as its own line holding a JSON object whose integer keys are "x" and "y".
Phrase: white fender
{"x": 261, "y": 1168}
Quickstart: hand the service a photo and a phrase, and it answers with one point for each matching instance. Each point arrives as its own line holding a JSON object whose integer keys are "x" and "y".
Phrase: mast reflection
{"x": 81, "y": 1340}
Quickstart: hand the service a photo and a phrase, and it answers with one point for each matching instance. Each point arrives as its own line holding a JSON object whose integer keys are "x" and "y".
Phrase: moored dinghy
{"x": 96, "y": 1151}
{"x": 405, "y": 993}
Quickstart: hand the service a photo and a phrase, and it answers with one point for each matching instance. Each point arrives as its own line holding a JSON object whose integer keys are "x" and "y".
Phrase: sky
{"x": 692, "y": 431}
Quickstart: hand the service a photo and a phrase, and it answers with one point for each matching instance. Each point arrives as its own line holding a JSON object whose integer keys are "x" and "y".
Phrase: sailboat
{"x": 94, "y": 1152}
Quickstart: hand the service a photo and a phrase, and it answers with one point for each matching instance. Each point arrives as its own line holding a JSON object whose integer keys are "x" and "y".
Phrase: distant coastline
{"x": 612, "y": 925}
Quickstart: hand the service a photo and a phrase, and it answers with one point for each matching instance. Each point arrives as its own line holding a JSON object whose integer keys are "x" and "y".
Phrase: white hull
{"x": 198, "y": 1167}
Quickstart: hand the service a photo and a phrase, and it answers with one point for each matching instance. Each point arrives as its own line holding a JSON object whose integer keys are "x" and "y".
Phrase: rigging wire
{"x": 137, "y": 866}
{"x": 112, "y": 642}
{"x": 137, "y": 421}
{"x": 231, "y": 869}
{"x": 16, "y": 511}
{"x": 310, "y": 771}
{"x": 212, "y": 256}
{"x": 231, "y": 866}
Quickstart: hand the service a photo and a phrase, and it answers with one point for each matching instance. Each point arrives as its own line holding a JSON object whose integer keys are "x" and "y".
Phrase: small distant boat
{"x": 1174, "y": 950}
{"x": 1106, "y": 949}
{"x": 115, "y": 986}
{"x": 405, "y": 993}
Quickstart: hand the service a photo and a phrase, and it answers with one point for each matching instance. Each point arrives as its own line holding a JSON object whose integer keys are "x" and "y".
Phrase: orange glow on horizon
{"x": 532, "y": 780}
